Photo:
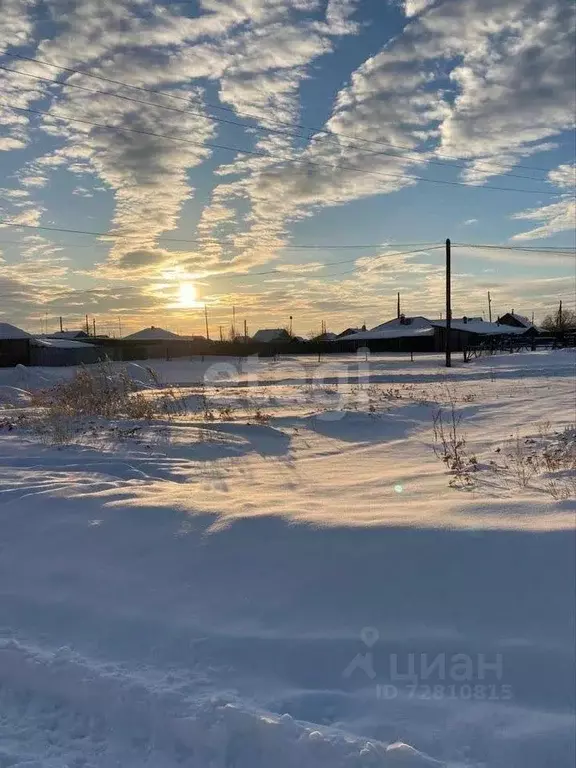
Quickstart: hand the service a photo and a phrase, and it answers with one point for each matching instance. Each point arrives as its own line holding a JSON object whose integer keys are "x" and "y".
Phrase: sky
{"x": 303, "y": 158}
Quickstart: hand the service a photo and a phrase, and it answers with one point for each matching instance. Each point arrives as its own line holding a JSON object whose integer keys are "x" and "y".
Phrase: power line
{"x": 309, "y": 129}
{"x": 308, "y": 275}
{"x": 564, "y": 250}
{"x": 208, "y": 240}
{"x": 46, "y": 244}
{"x": 244, "y": 125}
{"x": 270, "y": 156}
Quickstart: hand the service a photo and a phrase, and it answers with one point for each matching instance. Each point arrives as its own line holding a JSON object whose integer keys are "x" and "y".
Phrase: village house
{"x": 271, "y": 336}
{"x": 419, "y": 334}
{"x": 14, "y": 346}
{"x": 517, "y": 321}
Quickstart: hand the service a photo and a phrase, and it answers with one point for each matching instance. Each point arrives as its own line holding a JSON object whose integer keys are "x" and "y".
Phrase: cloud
{"x": 480, "y": 80}
{"x": 556, "y": 217}
{"x": 516, "y": 78}
{"x": 414, "y": 7}
{"x": 144, "y": 258}
{"x": 301, "y": 269}
{"x": 338, "y": 16}
{"x": 469, "y": 222}
{"x": 17, "y": 22}
{"x": 564, "y": 177}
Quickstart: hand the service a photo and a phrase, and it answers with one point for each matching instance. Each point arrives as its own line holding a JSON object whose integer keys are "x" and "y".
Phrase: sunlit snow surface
{"x": 293, "y": 582}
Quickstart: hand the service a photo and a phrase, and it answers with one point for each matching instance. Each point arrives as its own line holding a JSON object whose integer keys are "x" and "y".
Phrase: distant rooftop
{"x": 478, "y": 325}
{"x": 78, "y": 334}
{"x": 61, "y": 343}
{"x": 267, "y": 335}
{"x": 8, "y": 331}
{"x": 152, "y": 334}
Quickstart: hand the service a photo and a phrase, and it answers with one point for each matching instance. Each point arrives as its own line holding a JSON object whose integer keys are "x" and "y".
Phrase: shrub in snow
{"x": 450, "y": 447}
{"x": 99, "y": 391}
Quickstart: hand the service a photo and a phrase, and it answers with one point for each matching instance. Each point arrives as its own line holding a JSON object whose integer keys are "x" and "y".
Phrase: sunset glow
{"x": 187, "y": 295}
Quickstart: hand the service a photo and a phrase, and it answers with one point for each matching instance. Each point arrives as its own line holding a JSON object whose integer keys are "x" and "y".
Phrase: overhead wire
{"x": 212, "y": 145}
{"x": 260, "y": 129}
{"x": 205, "y": 241}
{"x": 563, "y": 250}
{"x": 310, "y": 129}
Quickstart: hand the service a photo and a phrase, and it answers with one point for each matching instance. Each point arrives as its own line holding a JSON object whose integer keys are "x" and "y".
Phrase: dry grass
{"x": 450, "y": 446}
{"x": 99, "y": 392}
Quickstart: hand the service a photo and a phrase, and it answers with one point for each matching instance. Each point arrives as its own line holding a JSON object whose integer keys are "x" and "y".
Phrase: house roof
{"x": 8, "y": 331}
{"x": 61, "y": 343}
{"x": 399, "y": 332}
{"x": 526, "y": 322}
{"x": 270, "y": 334}
{"x": 415, "y": 327}
{"x": 152, "y": 334}
{"x": 68, "y": 334}
{"x": 417, "y": 321}
{"x": 477, "y": 325}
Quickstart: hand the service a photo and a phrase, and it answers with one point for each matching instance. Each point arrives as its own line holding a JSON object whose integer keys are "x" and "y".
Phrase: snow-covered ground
{"x": 282, "y": 571}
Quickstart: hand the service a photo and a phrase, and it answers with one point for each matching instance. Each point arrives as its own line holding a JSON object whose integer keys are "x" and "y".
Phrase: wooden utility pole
{"x": 448, "y": 303}
{"x": 489, "y": 307}
{"x": 87, "y": 326}
{"x": 246, "y": 331}
{"x": 61, "y": 327}
{"x": 560, "y": 318}
{"x": 398, "y": 307}
{"x": 291, "y": 326}
{"x": 206, "y": 321}
{"x": 94, "y": 326}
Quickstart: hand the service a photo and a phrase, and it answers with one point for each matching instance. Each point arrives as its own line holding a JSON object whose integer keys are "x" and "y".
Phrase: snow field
{"x": 192, "y": 591}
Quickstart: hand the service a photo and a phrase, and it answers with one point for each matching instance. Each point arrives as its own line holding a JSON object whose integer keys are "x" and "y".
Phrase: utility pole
{"x": 206, "y": 320}
{"x": 221, "y": 329}
{"x": 87, "y": 326}
{"x": 120, "y": 325}
{"x": 94, "y": 326}
{"x": 398, "y": 306}
{"x": 560, "y": 318}
{"x": 246, "y": 331}
{"x": 61, "y": 328}
{"x": 448, "y": 303}
{"x": 291, "y": 318}
{"x": 489, "y": 307}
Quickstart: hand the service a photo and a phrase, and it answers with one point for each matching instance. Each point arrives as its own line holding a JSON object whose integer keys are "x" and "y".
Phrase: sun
{"x": 187, "y": 295}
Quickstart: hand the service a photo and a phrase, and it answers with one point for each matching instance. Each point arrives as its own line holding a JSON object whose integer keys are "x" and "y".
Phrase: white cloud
{"x": 564, "y": 177}
{"x": 556, "y": 217}
{"x": 469, "y": 222}
{"x": 482, "y": 80}
{"x": 414, "y": 7}
{"x": 338, "y": 16}
{"x": 16, "y": 21}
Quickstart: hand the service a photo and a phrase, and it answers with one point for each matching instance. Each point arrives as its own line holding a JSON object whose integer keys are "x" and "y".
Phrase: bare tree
{"x": 559, "y": 321}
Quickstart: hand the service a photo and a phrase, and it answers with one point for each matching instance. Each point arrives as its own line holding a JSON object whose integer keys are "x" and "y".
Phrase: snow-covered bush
{"x": 100, "y": 390}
